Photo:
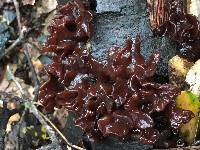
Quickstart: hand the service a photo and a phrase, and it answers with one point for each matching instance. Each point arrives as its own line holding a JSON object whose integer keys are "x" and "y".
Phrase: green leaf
{"x": 193, "y": 98}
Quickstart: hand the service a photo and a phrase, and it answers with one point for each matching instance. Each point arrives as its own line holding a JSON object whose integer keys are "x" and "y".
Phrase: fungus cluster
{"x": 116, "y": 97}
{"x": 169, "y": 17}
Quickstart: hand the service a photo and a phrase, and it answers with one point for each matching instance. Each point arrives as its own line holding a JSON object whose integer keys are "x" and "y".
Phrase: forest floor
{"x": 23, "y": 125}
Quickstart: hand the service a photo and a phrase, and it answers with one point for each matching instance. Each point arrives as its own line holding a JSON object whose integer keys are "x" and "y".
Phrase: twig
{"x": 1, "y": 103}
{"x": 16, "y": 4}
{"x": 7, "y": 86}
{"x": 33, "y": 45}
{"x": 32, "y": 108}
{"x": 58, "y": 131}
{"x": 36, "y": 82}
{"x": 16, "y": 82}
{"x": 40, "y": 116}
{"x": 50, "y": 131}
{"x": 14, "y": 44}
{"x": 21, "y": 31}
{"x": 34, "y": 75}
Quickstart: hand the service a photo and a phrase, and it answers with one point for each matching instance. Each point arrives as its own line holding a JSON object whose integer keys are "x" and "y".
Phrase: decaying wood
{"x": 178, "y": 69}
{"x": 158, "y": 13}
{"x": 193, "y": 7}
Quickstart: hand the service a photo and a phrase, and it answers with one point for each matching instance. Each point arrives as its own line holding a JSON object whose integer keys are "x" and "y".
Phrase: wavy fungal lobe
{"x": 117, "y": 97}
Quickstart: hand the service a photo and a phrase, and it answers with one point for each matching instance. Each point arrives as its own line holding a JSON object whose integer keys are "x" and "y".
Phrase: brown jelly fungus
{"x": 169, "y": 17}
{"x": 117, "y": 97}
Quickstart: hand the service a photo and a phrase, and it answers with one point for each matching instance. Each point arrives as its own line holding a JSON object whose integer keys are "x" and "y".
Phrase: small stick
{"x": 18, "y": 15}
{"x": 16, "y": 82}
{"x": 21, "y": 31}
{"x": 1, "y": 103}
{"x": 32, "y": 108}
{"x": 15, "y": 43}
{"x": 34, "y": 74}
{"x": 57, "y": 130}
{"x": 49, "y": 130}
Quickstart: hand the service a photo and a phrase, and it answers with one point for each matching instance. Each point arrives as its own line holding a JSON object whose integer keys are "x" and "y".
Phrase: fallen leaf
{"x": 13, "y": 68}
{"x": 44, "y": 59}
{"x": 9, "y": 16}
{"x": 12, "y": 105}
{"x": 14, "y": 118}
{"x": 61, "y": 115}
{"x": 2, "y": 72}
{"x": 4, "y": 37}
{"x": 47, "y": 23}
{"x": 28, "y": 2}
{"x": 3, "y": 80}
{"x": 3, "y": 27}
{"x": 42, "y": 38}
{"x": 4, "y": 1}
{"x": 46, "y": 6}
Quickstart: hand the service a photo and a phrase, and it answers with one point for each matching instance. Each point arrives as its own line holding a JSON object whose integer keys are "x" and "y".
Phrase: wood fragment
{"x": 178, "y": 68}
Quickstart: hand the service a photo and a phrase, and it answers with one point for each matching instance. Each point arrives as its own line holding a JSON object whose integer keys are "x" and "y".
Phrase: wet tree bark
{"x": 118, "y": 20}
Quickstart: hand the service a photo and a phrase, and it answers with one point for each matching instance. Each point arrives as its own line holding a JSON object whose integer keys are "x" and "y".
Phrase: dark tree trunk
{"x": 118, "y": 20}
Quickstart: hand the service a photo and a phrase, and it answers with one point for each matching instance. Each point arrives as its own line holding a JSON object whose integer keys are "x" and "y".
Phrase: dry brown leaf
{"x": 12, "y": 88}
{"x": 28, "y": 2}
{"x": 46, "y": 6}
{"x": 37, "y": 65}
{"x": 12, "y": 105}
{"x": 14, "y": 118}
{"x": 4, "y": 1}
{"x": 4, "y": 84}
{"x": 2, "y": 71}
{"x": 61, "y": 115}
